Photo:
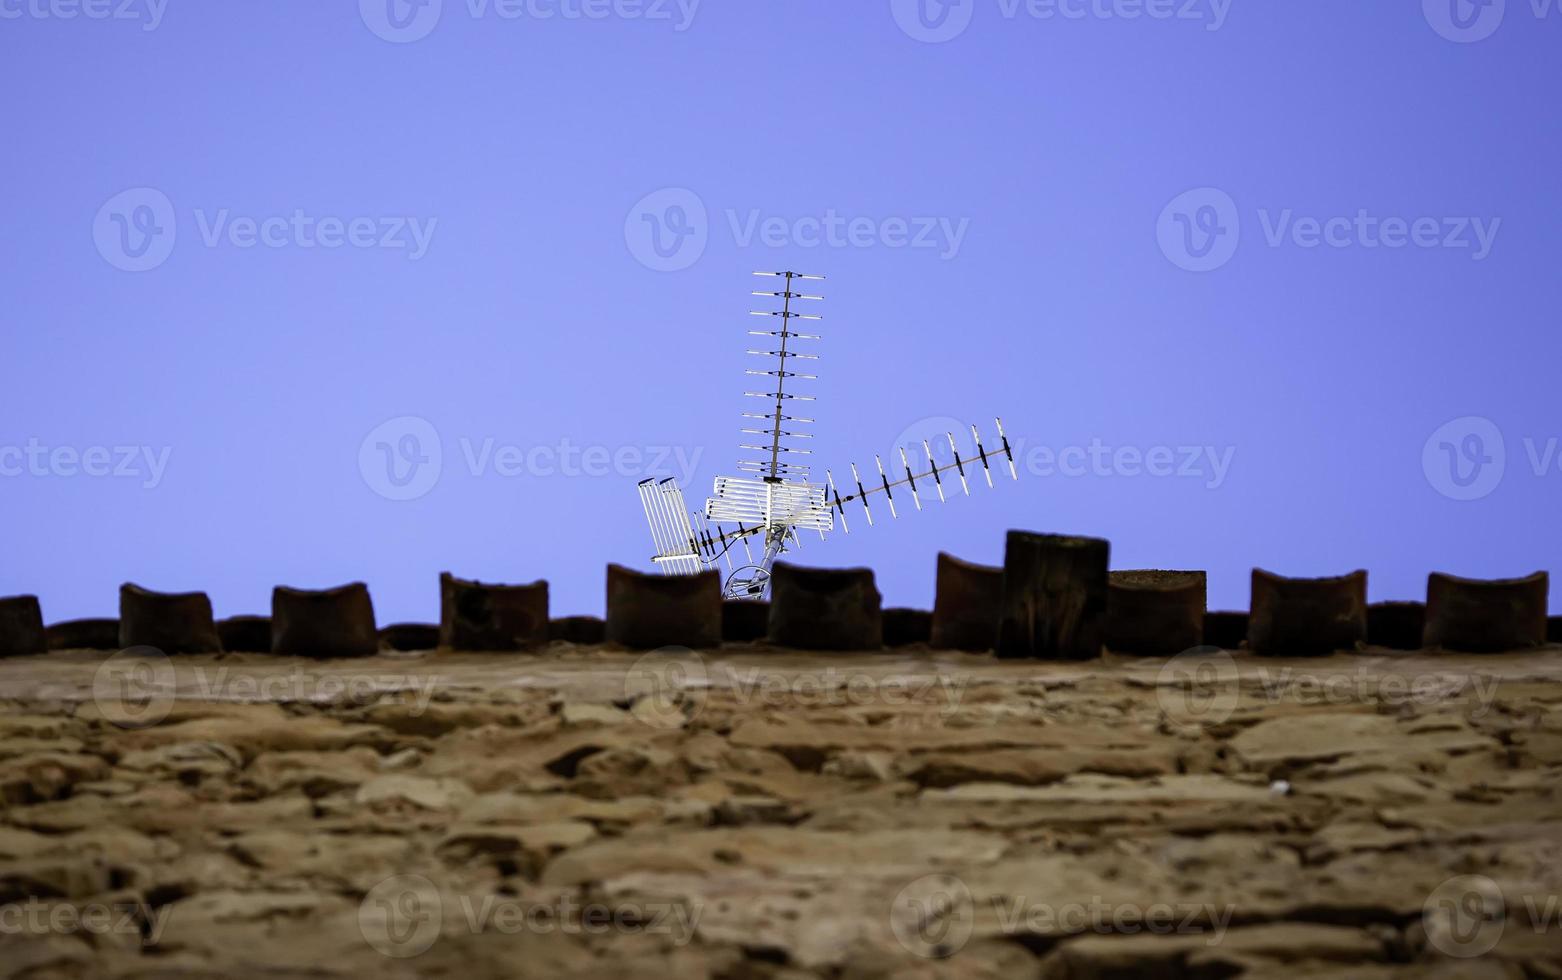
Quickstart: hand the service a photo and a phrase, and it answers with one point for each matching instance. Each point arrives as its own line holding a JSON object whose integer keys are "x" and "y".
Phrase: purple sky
{"x": 1249, "y": 283}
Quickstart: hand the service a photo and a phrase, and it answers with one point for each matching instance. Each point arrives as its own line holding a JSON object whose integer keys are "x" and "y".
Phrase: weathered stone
{"x": 475, "y": 616}
{"x": 790, "y": 850}
{"x": 1054, "y": 596}
{"x": 340, "y": 859}
{"x": 647, "y": 611}
{"x": 966, "y": 605}
{"x": 577, "y": 629}
{"x": 1023, "y": 767}
{"x": 335, "y": 622}
{"x": 824, "y": 608}
{"x": 1316, "y": 737}
{"x": 744, "y": 811}
{"x": 1206, "y": 953}
{"x": 551, "y": 808}
{"x": 812, "y": 815}
{"x": 245, "y": 634}
{"x": 173, "y": 622}
{"x": 1554, "y": 629}
{"x": 189, "y": 762}
{"x": 903, "y": 627}
{"x": 744, "y": 620}
{"x": 878, "y": 767}
{"x": 313, "y": 773}
{"x": 41, "y": 776}
{"x": 395, "y": 790}
{"x": 1301, "y": 617}
{"x": 1396, "y": 625}
{"x": 256, "y": 729}
{"x": 410, "y": 636}
{"x": 580, "y": 714}
{"x": 1225, "y": 630}
{"x": 1155, "y": 612}
{"x": 21, "y": 627}
{"x": 1484, "y": 616}
{"x": 84, "y": 634}
{"x": 527, "y": 846}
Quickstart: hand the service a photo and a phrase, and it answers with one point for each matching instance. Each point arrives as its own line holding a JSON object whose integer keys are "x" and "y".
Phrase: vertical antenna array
{"x": 775, "y": 500}
{"x": 776, "y": 468}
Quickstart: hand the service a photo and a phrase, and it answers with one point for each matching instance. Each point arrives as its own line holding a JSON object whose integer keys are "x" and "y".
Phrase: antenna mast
{"x": 776, "y": 499}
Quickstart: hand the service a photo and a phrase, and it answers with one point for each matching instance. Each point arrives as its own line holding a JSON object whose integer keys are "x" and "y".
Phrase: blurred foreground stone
{"x": 577, "y": 629}
{"x": 825, "y": 608}
{"x": 21, "y": 627}
{"x": 1396, "y": 625}
{"x": 245, "y": 634}
{"x": 1485, "y": 615}
{"x": 966, "y": 605}
{"x": 84, "y": 634}
{"x": 476, "y": 616}
{"x": 1226, "y": 630}
{"x": 335, "y": 622}
{"x": 646, "y": 611}
{"x": 409, "y": 636}
{"x": 744, "y": 620}
{"x": 903, "y": 627}
{"x": 1155, "y": 612}
{"x": 173, "y": 622}
{"x": 1307, "y": 617}
{"x": 776, "y": 814}
{"x": 1054, "y": 596}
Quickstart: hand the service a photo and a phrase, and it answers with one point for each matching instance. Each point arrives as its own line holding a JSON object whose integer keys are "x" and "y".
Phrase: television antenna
{"x": 775, "y": 500}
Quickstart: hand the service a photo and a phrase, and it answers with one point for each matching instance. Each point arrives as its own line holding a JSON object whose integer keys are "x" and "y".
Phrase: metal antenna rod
{"x": 786, "y": 323}
{"x": 775, "y": 500}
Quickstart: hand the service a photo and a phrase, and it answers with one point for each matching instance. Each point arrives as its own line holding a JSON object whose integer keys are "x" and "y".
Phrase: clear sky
{"x": 308, "y": 291}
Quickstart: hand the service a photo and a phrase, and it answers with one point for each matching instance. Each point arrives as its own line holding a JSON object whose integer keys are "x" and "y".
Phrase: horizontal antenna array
{"x": 934, "y": 472}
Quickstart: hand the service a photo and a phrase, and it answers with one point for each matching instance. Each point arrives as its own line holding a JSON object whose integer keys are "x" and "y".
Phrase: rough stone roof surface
{"x": 756, "y": 812}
